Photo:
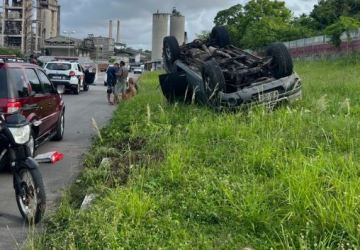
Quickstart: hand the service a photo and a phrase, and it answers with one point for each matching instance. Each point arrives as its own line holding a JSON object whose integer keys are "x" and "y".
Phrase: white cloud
{"x": 92, "y": 16}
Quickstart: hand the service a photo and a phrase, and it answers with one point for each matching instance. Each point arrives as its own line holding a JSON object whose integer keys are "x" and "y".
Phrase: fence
{"x": 321, "y": 46}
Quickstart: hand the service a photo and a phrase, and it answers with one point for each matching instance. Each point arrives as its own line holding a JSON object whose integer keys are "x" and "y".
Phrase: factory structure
{"x": 165, "y": 24}
{"x": 26, "y": 24}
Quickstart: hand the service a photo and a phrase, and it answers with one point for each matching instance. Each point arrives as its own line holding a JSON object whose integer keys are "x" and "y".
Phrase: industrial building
{"x": 161, "y": 29}
{"x": 26, "y": 24}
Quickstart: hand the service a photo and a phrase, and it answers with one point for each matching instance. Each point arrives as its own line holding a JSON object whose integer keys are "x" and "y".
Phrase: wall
{"x": 321, "y": 46}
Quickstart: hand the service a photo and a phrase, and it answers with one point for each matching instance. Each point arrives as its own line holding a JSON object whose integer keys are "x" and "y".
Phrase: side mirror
{"x": 60, "y": 89}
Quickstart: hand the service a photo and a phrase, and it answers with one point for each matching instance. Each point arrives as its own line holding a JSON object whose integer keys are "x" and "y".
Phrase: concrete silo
{"x": 177, "y": 26}
{"x": 160, "y": 30}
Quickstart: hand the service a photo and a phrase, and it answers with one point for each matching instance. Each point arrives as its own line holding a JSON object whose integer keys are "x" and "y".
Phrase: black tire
{"x": 33, "y": 187}
{"x": 171, "y": 52}
{"x": 220, "y": 37}
{"x": 282, "y": 63}
{"x": 60, "y": 128}
{"x": 214, "y": 82}
{"x": 77, "y": 89}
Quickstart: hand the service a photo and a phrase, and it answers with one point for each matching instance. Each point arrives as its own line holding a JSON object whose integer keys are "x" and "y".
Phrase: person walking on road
{"x": 111, "y": 82}
{"x": 120, "y": 87}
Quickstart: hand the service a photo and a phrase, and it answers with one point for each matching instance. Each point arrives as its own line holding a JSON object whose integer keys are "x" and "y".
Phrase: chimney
{"x": 110, "y": 29}
{"x": 118, "y": 31}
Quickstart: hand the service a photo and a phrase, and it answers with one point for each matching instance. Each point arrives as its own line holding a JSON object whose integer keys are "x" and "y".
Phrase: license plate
{"x": 269, "y": 97}
{"x": 57, "y": 77}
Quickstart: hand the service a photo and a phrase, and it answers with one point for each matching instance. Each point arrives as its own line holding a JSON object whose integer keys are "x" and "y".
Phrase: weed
{"x": 185, "y": 177}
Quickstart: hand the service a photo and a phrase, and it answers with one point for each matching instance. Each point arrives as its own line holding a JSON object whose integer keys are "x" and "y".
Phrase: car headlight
{"x": 21, "y": 135}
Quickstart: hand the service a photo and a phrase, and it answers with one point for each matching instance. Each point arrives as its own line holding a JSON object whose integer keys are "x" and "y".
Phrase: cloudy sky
{"x": 92, "y": 16}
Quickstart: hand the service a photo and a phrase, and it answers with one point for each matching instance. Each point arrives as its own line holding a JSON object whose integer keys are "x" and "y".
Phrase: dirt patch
{"x": 131, "y": 144}
{"x": 132, "y": 156}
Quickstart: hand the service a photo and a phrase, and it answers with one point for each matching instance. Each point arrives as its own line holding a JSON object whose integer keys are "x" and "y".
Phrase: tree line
{"x": 260, "y": 22}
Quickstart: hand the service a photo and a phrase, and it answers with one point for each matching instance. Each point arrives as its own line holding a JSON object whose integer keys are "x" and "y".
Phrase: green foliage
{"x": 259, "y": 23}
{"x": 203, "y": 36}
{"x": 328, "y": 12}
{"x": 344, "y": 24}
{"x": 7, "y": 51}
{"x": 231, "y": 16}
{"x": 287, "y": 179}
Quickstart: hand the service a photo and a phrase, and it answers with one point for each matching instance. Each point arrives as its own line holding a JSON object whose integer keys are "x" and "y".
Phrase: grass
{"x": 186, "y": 177}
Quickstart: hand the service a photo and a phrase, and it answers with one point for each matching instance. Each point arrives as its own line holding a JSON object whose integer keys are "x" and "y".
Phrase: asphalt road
{"x": 77, "y": 139}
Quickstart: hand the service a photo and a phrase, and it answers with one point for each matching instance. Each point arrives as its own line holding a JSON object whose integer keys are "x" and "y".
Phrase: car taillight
{"x": 72, "y": 73}
{"x": 12, "y": 107}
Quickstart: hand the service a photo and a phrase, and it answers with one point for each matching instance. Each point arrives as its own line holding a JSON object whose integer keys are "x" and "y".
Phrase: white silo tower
{"x": 177, "y": 26}
{"x": 160, "y": 30}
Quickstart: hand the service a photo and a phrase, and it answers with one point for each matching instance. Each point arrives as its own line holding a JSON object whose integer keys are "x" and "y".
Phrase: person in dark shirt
{"x": 33, "y": 60}
{"x": 111, "y": 81}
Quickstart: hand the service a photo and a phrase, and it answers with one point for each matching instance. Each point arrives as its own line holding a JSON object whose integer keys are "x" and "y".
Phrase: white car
{"x": 67, "y": 74}
{"x": 138, "y": 71}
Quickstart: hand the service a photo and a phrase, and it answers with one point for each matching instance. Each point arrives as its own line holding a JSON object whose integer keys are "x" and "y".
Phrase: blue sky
{"x": 92, "y": 16}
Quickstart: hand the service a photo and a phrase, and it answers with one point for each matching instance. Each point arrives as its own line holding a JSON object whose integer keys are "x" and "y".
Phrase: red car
{"x": 27, "y": 87}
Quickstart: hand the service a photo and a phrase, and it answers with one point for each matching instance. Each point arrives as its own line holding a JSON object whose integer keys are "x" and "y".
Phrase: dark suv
{"x": 26, "y": 86}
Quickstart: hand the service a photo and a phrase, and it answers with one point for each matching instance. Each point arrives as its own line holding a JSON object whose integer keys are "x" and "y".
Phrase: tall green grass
{"x": 288, "y": 179}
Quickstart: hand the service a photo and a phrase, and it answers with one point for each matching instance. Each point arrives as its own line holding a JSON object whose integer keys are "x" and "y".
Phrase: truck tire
{"x": 171, "y": 52}
{"x": 282, "y": 64}
{"x": 213, "y": 83}
{"x": 220, "y": 37}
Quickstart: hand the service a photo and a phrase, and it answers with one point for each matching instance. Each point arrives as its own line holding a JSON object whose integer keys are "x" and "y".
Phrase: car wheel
{"x": 77, "y": 89}
{"x": 220, "y": 37}
{"x": 213, "y": 83}
{"x": 171, "y": 52}
{"x": 60, "y": 128}
{"x": 282, "y": 64}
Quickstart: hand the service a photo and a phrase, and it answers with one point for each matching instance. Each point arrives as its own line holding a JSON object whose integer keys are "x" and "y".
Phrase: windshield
{"x": 58, "y": 66}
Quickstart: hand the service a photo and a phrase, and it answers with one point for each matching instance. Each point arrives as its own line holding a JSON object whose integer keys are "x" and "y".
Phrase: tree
{"x": 328, "y": 12}
{"x": 258, "y": 23}
{"x": 231, "y": 16}
{"x": 203, "y": 36}
{"x": 343, "y": 25}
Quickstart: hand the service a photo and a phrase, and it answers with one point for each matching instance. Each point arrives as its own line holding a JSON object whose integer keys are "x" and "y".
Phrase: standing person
{"x": 33, "y": 59}
{"x": 111, "y": 82}
{"x": 120, "y": 87}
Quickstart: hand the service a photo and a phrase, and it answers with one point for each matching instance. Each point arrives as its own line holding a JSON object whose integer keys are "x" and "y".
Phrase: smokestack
{"x": 118, "y": 31}
{"x": 110, "y": 28}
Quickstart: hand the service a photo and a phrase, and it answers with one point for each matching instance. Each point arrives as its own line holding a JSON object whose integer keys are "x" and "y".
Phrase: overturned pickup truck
{"x": 222, "y": 76}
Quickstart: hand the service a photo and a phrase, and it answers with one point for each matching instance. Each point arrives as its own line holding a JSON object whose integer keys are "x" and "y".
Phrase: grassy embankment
{"x": 186, "y": 177}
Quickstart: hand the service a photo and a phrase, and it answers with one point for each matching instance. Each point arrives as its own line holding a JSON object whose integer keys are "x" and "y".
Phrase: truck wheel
{"x": 171, "y": 52}
{"x": 214, "y": 82}
{"x": 282, "y": 64}
{"x": 220, "y": 36}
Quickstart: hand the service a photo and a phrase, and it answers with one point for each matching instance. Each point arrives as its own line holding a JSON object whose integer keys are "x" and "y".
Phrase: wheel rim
{"x": 78, "y": 88}
{"x": 31, "y": 145}
{"x": 62, "y": 124}
{"x": 28, "y": 201}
